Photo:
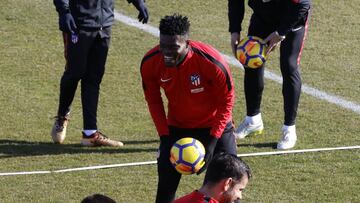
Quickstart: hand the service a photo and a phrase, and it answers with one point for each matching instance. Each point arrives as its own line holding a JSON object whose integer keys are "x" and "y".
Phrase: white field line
{"x": 24, "y": 173}
{"x": 269, "y": 75}
{"x": 154, "y": 162}
{"x": 105, "y": 166}
{"x": 298, "y": 151}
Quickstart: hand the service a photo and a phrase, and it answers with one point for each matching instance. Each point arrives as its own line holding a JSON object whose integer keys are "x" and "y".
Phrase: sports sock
{"x": 89, "y": 132}
{"x": 254, "y": 119}
{"x": 290, "y": 128}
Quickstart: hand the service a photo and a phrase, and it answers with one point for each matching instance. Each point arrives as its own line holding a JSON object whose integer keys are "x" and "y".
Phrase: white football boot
{"x": 58, "y": 131}
{"x": 251, "y": 125}
{"x": 288, "y": 138}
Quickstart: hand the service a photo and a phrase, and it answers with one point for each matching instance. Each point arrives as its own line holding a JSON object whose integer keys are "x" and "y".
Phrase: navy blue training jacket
{"x": 88, "y": 13}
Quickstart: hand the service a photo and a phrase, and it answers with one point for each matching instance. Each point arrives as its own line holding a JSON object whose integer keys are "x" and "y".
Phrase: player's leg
{"x": 75, "y": 51}
{"x": 253, "y": 88}
{"x": 90, "y": 87}
{"x": 227, "y": 142}
{"x": 168, "y": 180}
{"x": 290, "y": 52}
{"x": 254, "y": 78}
{"x": 168, "y": 177}
{"x": 90, "y": 83}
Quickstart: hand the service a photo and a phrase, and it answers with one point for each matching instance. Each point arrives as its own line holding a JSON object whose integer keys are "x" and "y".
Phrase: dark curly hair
{"x": 225, "y": 166}
{"x": 98, "y": 198}
{"x": 175, "y": 24}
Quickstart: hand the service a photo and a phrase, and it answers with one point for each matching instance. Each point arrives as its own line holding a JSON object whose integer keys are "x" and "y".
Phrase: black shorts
{"x": 226, "y": 143}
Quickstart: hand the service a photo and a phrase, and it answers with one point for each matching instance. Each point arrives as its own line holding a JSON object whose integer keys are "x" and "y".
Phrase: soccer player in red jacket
{"x": 282, "y": 22}
{"x": 225, "y": 180}
{"x": 199, "y": 89}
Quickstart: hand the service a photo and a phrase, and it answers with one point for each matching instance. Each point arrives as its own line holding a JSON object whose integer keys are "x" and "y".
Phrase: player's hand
{"x": 209, "y": 150}
{"x": 67, "y": 23}
{"x": 143, "y": 11}
{"x": 273, "y": 40}
{"x": 234, "y": 41}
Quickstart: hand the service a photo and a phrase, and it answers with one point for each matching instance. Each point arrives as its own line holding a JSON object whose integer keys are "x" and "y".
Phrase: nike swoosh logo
{"x": 165, "y": 80}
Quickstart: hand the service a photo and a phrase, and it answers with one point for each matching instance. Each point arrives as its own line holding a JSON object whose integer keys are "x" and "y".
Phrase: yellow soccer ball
{"x": 251, "y": 52}
{"x": 187, "y": 155}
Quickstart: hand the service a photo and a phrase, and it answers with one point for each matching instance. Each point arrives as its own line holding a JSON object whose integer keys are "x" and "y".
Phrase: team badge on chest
{"x": 195, "y": 79}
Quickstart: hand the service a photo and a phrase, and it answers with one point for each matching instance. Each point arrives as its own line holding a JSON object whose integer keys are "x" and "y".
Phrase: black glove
{"x": 143, "y": 12}
{"x": 209, "y": 150}
{"x": 67, "y": 23}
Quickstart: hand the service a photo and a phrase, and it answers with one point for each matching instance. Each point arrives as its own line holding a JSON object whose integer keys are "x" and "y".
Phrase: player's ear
{"x": 227, "y": 184}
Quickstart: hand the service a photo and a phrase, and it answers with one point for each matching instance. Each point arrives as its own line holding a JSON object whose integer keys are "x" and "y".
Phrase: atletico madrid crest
{"x": 74, "y": 38}
{"x": 195, "y": 79}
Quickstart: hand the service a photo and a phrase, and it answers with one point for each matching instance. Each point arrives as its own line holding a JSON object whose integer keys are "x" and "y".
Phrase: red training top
{"x": 195, "y": 197}
{"x": 199, "y": 90}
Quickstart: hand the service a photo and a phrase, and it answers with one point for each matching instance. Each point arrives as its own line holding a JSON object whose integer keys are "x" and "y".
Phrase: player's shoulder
{"x": 204, "y": 47}
{"x": 192, "y": 196}
{"x": 207, "y": 51}
{"x": 195, "y": 197}
{"x": 151, "y": 54}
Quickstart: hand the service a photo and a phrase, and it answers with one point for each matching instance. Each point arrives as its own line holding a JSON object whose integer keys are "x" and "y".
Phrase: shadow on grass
{"x": 17, "y": 148}
{"x": 134, "y": 142}
{"x": 260, "y": 145}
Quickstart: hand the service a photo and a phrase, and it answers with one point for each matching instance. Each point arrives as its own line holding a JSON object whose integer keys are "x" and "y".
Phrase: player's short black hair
{"x": 98, "y": 198}
{"x": 175, "y": 24}
{"x": 225, "y": 166}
